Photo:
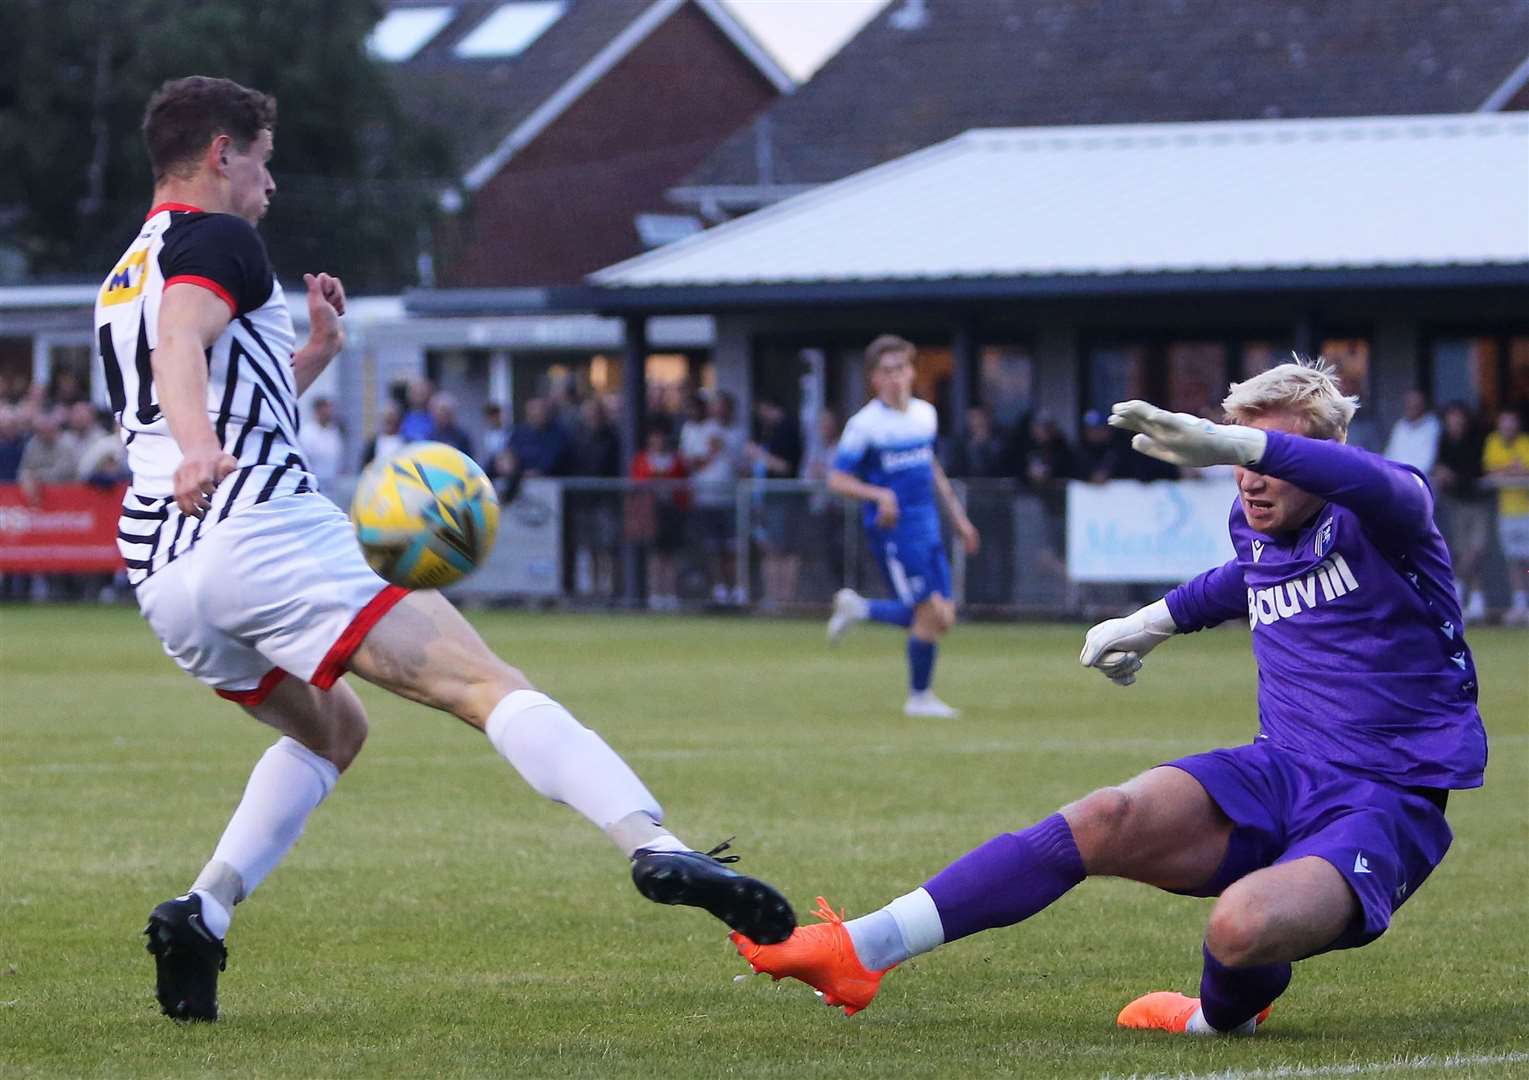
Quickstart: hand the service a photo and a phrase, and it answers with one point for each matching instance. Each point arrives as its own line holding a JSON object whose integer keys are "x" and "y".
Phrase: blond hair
{"x": 1307, "y": 390}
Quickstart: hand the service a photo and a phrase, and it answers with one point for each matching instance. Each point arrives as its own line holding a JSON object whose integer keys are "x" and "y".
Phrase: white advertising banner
{"x": 527, "y": 559}
{"x": 1167, "y": 531}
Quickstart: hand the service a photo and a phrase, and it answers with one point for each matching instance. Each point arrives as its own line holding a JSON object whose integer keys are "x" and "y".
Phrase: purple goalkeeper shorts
{"x": 1384, "y": 840}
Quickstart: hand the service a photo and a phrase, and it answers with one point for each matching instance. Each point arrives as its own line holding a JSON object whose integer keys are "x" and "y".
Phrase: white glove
{"x": 1116, "y": 646}
{"x": 1181, "y": 439}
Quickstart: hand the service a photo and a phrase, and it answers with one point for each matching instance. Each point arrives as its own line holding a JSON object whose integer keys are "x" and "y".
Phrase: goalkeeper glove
{"x": 1116, "y": 647}
{"x": 1181, "y": 439}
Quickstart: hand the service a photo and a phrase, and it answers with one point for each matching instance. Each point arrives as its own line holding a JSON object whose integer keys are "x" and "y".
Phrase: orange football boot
{"x": 822, "y": 956}
{"x": 1165, "y": 1010}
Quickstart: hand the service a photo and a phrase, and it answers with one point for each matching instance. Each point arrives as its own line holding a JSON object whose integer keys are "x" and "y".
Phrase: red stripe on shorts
{"x": 260, "y": 693}
{"x": 333, "y": 665}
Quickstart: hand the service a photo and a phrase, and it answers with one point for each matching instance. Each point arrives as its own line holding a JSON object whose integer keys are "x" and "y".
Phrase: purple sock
{"x": 1007, "y": 879}
{"x": 920, "y": 664}
{"x": 1230, "y": 997}
{"x": 890, "y": 611}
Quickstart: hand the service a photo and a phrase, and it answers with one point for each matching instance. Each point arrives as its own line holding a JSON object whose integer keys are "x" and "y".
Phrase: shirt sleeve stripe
{"x": 208, "y": 284}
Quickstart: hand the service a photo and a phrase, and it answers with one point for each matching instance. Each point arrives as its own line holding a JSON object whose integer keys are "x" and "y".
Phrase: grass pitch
{"x": 438, "y": 919}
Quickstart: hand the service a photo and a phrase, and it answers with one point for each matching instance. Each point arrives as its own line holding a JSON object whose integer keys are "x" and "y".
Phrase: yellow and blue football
{"x": 426, "y": 517}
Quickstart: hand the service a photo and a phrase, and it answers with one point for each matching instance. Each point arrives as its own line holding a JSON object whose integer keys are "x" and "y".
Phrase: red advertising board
{"x": 71, "y": 529}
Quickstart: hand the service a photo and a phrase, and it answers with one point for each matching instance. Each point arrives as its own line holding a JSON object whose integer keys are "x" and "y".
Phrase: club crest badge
{"x": 1324, "y": 540}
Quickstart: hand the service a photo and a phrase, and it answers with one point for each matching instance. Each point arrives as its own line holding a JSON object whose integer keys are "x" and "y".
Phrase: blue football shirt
{"x": 894, "y": 449}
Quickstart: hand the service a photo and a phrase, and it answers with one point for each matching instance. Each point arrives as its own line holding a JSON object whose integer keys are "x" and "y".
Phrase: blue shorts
{"x": 915, "y": 569}
{"x": 1384, "y": 840}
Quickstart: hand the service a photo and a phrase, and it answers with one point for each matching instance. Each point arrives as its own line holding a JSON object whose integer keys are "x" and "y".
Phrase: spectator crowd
{"x": 695, "y": 448}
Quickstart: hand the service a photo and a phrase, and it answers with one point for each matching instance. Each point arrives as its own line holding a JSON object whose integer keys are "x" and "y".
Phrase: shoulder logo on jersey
{"x": 1324, "y": 540}
{"x": 1329, "y": 580}
{"x": 126, "y": 281}
{"x": 1258, "y": 550}
{"x": 1361, "y": 864}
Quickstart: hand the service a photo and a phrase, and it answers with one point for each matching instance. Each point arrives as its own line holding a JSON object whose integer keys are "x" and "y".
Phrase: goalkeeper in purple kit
{"x": 1315, "y": 833}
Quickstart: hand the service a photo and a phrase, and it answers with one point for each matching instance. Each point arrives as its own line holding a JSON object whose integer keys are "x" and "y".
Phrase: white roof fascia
{"x": 600, "y": 65}
{"x": 1507, "y": 88}
{"x": 748, "y": 45}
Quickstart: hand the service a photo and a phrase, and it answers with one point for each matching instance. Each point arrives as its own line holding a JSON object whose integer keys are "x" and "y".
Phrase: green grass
{"x": 438, "y": 919}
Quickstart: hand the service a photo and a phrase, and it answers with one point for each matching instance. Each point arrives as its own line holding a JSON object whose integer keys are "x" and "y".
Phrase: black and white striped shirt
{"x": 251, "y": 392}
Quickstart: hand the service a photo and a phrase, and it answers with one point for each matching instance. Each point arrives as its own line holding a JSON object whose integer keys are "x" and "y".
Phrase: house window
{"x": 1260, "y": 356}
{"x": 1351, "y": 356}
{"x": 1196, "y": 377}
{"x": 15, "y": 369}
{"x": 510, "y": 29}
{"x": 405, "y": 31}
{"x": 1006, "y": 382}
{"x": 1117, "y": 373}
{"x": 1488, "y": 373}
{"x": 68, "y": 373}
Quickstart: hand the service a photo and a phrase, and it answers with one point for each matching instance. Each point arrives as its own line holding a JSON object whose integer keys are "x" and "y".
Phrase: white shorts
{"x": 278, "y": 589}
{"x": 1513, "y": 532}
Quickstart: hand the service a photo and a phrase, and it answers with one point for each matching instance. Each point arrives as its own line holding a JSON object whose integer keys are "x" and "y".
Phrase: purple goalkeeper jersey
{"x": 1361, "y": 654}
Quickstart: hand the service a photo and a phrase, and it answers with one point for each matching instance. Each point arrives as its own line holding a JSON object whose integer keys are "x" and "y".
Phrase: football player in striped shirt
{"x": 254, "y": 582}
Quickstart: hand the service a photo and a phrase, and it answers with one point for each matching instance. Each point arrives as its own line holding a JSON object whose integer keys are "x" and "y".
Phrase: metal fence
{"x": 771, "y": 545}
{"x": 785, "y": 546}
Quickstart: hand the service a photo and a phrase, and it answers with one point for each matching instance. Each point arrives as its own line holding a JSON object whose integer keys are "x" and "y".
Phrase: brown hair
{"x": 184, "y": 115}
{"x": 885, "y": 345}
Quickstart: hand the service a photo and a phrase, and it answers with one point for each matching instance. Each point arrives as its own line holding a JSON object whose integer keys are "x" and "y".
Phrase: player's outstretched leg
{"x": 1160, "y": 828}
{"x": 324, "y": 731}
{"x": 424, "y": 650}
{"x": 1004, "y": 881}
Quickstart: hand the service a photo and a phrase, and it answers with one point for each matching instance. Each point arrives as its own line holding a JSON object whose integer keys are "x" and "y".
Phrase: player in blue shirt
{"x": 886, "y": 459}
{"x": 1316, "y": 832}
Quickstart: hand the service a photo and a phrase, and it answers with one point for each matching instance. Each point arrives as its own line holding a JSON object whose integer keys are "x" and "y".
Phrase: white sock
{"x": 287, "y": 784}
{"x": 215, "y": 916}
{"x": 1198, "y": 1026}
{"x": 566, "y": 762}
{"x": 906, "y": 927}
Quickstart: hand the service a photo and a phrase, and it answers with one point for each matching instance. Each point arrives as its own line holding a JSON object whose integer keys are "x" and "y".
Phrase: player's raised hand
{"x": 197, "y": 478}
{"x": 1183, "y": 439}
{"x": 326, "y": 303}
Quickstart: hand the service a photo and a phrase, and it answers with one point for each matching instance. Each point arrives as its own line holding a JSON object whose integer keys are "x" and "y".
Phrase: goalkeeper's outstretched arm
{"x": 1116, "y": 646}
{"x": 1389, "y": 498}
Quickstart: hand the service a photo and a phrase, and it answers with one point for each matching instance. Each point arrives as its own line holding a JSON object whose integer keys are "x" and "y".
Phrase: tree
{"x": 356, "y": 182}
